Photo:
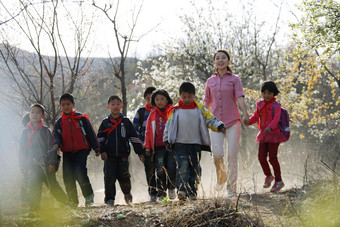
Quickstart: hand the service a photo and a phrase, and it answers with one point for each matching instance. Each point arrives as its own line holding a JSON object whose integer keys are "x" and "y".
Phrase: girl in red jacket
{"x": 165, "y": 160}
{"x": 270, "y": 136}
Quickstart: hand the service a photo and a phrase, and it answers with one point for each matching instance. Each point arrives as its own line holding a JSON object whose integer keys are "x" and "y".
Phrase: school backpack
{"x": 284, "y": 120}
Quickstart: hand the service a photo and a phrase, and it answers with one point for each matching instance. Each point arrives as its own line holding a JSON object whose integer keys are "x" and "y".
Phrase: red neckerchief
{"x": 40, "y": 125}
{"x": 148, "y": 108}
{"x": 114, "y": 126}
{"x": 74, "y": 117}
{"x": 180, "y": 105}
{"x": 263, "y": 108}
{"x": 164, "y": 114}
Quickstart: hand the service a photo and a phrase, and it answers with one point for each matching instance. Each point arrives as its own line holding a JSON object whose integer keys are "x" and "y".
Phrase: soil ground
{"x": 267, "y": 209}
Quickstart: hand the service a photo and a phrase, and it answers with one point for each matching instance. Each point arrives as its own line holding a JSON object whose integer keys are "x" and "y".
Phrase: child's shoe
{"x": 172, "y": 194}
{"x": 181, "y": 196}
{"x": 128, "y": 198}
{"x": 161, "y": 198}
{"x": 268, "y": 181}
{"x": 277, "y": 186}
{"x": 219, "y": 187}
{"x": 110, "y": 202}
{"x": 89, "y": 200}
{"x": 231, "y": 193}
{"x": 192, "y": 197}
{"x": 153, "y": 198}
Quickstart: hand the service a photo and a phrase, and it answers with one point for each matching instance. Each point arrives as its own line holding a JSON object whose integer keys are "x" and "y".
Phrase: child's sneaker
{"x": 231, "y": 193}
{"x": 172, "y": 194}
{"x": 128, "y": 198}
{"x": 161, "y": 198}
{"x": 153, "y": 198}
{"x": 219, "y": 187}
{"x": 181, "y": 196}
{"x": 277, "y": 186}
{"x": 192, "y": 197}
{"x": 110, "y": 202}
{"x": 268, "y": 181}
{"x": 89, "y": 200}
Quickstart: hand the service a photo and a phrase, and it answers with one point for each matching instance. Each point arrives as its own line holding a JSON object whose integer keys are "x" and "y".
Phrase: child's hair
{"x": 160, "y": 92}
{"x": 149, "y": 90}
{"x": 187, "y": 87}
{"x": 66, "y": 96}
{"x": 270, "y": 86}
{"x": 38, "y": 105}
{"x": 113, "y": 97}
{"x": 228, "y": 55}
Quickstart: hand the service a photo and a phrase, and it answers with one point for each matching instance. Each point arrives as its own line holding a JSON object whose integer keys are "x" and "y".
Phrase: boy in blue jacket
{"x": 74, "y": 135}
{"x": 114, "y": 135}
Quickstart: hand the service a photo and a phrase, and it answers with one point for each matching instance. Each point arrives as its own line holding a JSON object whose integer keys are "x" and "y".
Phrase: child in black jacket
{"x": 114, "y": 135}
{"x": 38, "y": 160}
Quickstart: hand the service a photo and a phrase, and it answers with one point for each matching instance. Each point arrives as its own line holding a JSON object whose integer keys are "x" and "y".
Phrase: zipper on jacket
{"x": 117, "y": 141}
{"x": 71, "y": 133}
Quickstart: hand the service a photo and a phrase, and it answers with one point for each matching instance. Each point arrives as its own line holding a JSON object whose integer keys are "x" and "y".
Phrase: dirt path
{"x": 266, "y": 209}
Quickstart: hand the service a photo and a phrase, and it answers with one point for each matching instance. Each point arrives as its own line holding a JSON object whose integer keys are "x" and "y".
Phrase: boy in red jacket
{"x": 74, "y": 135}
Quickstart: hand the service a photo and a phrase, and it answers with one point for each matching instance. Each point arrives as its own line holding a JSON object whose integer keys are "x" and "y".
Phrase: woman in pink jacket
{"x": 224, "y": 94}
{"x": 270, "y": 136}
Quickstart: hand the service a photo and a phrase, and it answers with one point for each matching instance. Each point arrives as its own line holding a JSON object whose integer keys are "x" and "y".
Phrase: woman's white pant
{"x": 219, "y": 142}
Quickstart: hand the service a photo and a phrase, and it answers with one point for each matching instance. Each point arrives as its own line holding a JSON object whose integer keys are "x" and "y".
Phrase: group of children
{"x": 167, "y": 138}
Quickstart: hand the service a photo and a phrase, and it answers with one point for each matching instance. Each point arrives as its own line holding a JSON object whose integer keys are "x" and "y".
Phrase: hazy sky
{"x": 165, "y": 14}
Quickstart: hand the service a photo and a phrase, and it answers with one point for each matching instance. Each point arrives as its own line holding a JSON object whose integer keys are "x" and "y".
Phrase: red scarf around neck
{"x": 148, "y": 108}
{"x": 40, "y": 125}
{"x": 264, "y": 107}
{"x": 163, "y": 114}
{"x": 180, "y": 105}
{"x": 74, "y": 117}
{"x": 114, "y": 126}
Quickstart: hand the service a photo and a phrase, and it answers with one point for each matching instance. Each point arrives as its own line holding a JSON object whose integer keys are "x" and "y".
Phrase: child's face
{"x": 36, "y": 114}
{"x": 187, "y": 98}
{"x": 160, "y": 101}
{"x": 148, "y": 99}
{"x": 115, "y": 106}
{"x": 66, "y": 106}
{"x": 221, "y": 61}
{"x": 267, "y": 95}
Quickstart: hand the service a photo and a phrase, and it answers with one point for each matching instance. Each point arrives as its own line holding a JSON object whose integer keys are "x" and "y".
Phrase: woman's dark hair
{"x": 149, "y": 90}
{"x": 187, "y": 87}
{"x": 270, "y": 86}
{"x": 228, "y": 55}
{"x": 160, "y": 92}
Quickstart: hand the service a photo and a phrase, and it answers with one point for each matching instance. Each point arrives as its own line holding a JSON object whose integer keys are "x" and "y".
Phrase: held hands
{"x": 103, "y": 156}
{"x": 141, "y": 157}
{"x": 148, "y": 152}
{"x": 168, "y": 146}
{"x": 55, "y": 146}
{"x": 267, "y": 130}
{"x": 246, "y": 121}
{"x": 97, "y": 152}
{"x": 222, "y": 128}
